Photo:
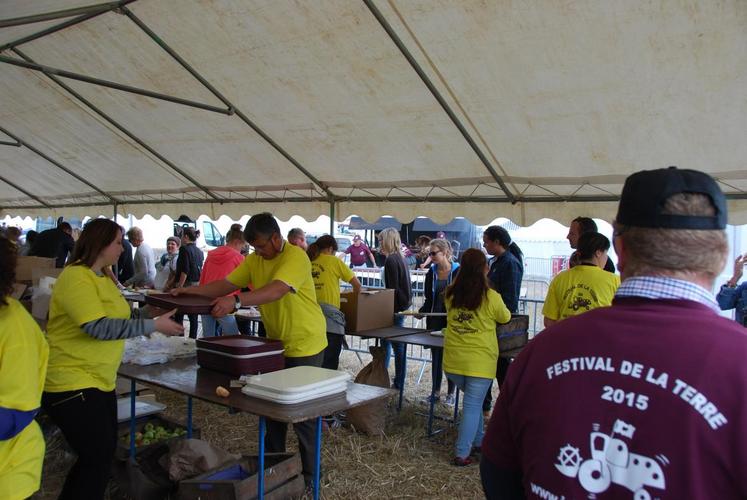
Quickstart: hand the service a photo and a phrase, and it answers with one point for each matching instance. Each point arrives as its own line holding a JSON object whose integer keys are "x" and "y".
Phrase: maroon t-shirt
{"x": 644, "y": 399}
{"x": 358, "y": 254}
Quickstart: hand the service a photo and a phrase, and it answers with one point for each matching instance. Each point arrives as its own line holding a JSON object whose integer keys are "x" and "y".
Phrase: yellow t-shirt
{"x": 23, "y": 364}
{"x": 578, "y": 290}
{"x": 296, "y": 318}
{"x": 470, "y": 341}
{"x": 327, "y": 271}
{"x": 77, "y": 360}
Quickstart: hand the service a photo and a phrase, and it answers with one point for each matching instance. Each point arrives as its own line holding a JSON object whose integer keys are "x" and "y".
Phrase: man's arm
{"x": 356, "y": 285}
{"x": 271, "y": 292}
{"x": 500, "y": 484}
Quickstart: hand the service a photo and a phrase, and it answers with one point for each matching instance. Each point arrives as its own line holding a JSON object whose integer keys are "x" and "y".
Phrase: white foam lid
{"x": 297, "y": 380}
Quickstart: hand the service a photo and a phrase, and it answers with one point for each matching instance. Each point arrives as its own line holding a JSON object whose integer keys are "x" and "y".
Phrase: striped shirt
{"x": 660, "y": 287}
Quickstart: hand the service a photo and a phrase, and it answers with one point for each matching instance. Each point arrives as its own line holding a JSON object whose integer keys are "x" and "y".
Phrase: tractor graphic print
{"x": 612, "y": 462}
{"x": 580, "y": 302}
{"x": 463, "y": 316}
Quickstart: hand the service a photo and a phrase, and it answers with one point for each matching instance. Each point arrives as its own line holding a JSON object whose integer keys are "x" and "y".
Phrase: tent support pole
{"x": 332, "y": 217}
{"x": 120, "y": 127}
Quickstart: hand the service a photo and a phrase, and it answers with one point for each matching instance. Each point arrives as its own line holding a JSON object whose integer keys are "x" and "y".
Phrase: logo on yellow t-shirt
{"x": 463, "y": 318}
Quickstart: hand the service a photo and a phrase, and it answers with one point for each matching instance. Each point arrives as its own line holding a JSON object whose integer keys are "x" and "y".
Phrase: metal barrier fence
{"x": 373, "y": 277}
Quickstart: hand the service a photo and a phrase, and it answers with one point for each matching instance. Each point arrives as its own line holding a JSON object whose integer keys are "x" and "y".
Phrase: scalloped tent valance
{"x": 371, "y": 107}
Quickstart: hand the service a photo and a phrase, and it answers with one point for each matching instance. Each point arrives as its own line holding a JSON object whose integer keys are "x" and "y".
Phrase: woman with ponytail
{"x": 327, "y": 272}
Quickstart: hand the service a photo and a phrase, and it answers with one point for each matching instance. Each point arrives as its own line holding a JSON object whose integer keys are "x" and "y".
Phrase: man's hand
{"x": 222, "y": 306}
{"x": 739, "y": 264}
{"x": 168, "y": 326}
{"x": 178, "y": 291}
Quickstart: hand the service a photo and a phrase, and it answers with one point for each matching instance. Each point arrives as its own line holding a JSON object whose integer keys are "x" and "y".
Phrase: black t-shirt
{"x": 189, "y": 262}
{"x": 53, "y": 243}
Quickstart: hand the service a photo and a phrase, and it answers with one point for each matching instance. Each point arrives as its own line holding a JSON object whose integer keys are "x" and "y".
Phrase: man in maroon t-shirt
{"x": 358, "y": 252}
{"x": 646, "y": 398}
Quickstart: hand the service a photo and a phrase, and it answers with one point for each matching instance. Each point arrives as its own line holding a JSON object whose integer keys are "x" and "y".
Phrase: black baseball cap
{"x": 645, "y": 192}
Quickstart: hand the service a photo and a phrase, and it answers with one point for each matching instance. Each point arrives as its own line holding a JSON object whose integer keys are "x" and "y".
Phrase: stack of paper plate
{"x": 296, "y": 385}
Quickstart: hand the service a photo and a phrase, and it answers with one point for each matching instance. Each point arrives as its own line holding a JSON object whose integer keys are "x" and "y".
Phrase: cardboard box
{"x": 238, "y": 480}
{"x": 38, "y": 273}
{"x": 26, "y": 265}
{"x": 368, "y": 310}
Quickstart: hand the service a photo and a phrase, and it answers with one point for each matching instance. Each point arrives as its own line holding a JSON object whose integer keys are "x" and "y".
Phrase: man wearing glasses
{"x": 284, "y": 289}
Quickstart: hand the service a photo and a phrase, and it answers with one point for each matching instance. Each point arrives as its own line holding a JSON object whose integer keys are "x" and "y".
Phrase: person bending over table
{"x": 284, "y": 291}
{"x": 327, "y": 272}
{"x": 440, "y": 275}
{"x": 89, "y": 321}
{"x": 471, "y": 346}
{"x": 23, "y": 365}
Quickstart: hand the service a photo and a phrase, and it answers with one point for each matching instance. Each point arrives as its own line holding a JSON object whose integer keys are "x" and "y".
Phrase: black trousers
{"x": 437, "y": 372}
{"x": 333, "y": 350}
{"x": 500, "y": 375}
{"x": 179, "y": 318}
{"x": 305, "y": 431}
{"x": 88, "y": 420}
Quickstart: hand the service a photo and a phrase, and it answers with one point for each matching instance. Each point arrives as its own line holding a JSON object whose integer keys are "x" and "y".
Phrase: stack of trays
{"x": 296, "y": 385}
{"x": 240, "y": 354}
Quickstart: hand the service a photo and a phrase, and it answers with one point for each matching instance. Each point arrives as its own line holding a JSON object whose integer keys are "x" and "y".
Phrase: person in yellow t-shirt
{"x": 284, "y": 291}
{"x": 89, "y": 321}
{"x": 327, "y": 272}
{"x": 23, "y": 364}
{"x": 585, "y": 286}
{"x": 471, "y": 345}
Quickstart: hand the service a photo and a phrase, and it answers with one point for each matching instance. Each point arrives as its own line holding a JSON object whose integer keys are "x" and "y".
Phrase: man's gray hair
{"x": 296, "y": 232}
{"x": 675, "y": 252}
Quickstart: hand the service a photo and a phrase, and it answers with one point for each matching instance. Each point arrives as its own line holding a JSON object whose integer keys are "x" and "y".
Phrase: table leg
{"x": 189, "y": 417}
{"x": 318, "y": 457}
{"x": 261, "y": 461}
{"x": 132, "y": 418}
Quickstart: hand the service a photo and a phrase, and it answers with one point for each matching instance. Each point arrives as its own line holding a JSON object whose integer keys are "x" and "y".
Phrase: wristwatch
{"x": 237, "y": 303}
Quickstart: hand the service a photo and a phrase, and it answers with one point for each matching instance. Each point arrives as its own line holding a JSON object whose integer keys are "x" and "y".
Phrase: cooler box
{"x": 240, "y": 354}
{"x": 367, "y": 310}
{"x": 296, "y": 385}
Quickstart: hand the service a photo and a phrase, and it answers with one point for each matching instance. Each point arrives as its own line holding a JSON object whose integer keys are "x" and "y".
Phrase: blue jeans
{"x": 227, "y": 324}
{"x": 400, "y": 356}
{"x": 470, "y": 428}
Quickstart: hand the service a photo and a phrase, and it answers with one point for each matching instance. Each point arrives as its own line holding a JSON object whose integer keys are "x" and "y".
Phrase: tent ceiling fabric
{"x": 305, "y": 106}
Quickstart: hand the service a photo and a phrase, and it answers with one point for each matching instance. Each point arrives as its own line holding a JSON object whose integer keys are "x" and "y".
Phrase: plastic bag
{"x": 370, "y": 418}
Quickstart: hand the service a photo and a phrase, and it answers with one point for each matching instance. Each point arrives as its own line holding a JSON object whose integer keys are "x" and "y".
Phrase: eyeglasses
{"x": 433, "y": 254}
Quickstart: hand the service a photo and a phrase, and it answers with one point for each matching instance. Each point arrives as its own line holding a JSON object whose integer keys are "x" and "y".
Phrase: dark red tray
{"x": 187, "y": 304}
{"x": 240, "y": 354}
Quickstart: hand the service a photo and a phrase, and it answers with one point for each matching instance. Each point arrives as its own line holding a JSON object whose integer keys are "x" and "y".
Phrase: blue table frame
{"x": 185, "y": 377}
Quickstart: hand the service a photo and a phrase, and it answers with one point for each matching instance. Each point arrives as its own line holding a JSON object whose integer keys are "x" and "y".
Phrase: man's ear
{"x": 620, "y": 251}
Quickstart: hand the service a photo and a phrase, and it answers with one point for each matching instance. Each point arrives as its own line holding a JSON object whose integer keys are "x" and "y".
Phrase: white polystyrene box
{"x": 296, "y": 385}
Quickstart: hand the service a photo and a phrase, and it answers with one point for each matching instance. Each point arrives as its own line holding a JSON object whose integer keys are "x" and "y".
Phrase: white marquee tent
{"x": 477, "y": 108}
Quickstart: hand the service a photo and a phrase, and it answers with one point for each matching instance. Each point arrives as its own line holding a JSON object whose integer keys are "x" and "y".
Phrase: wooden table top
{"x": 186, "y": 377}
